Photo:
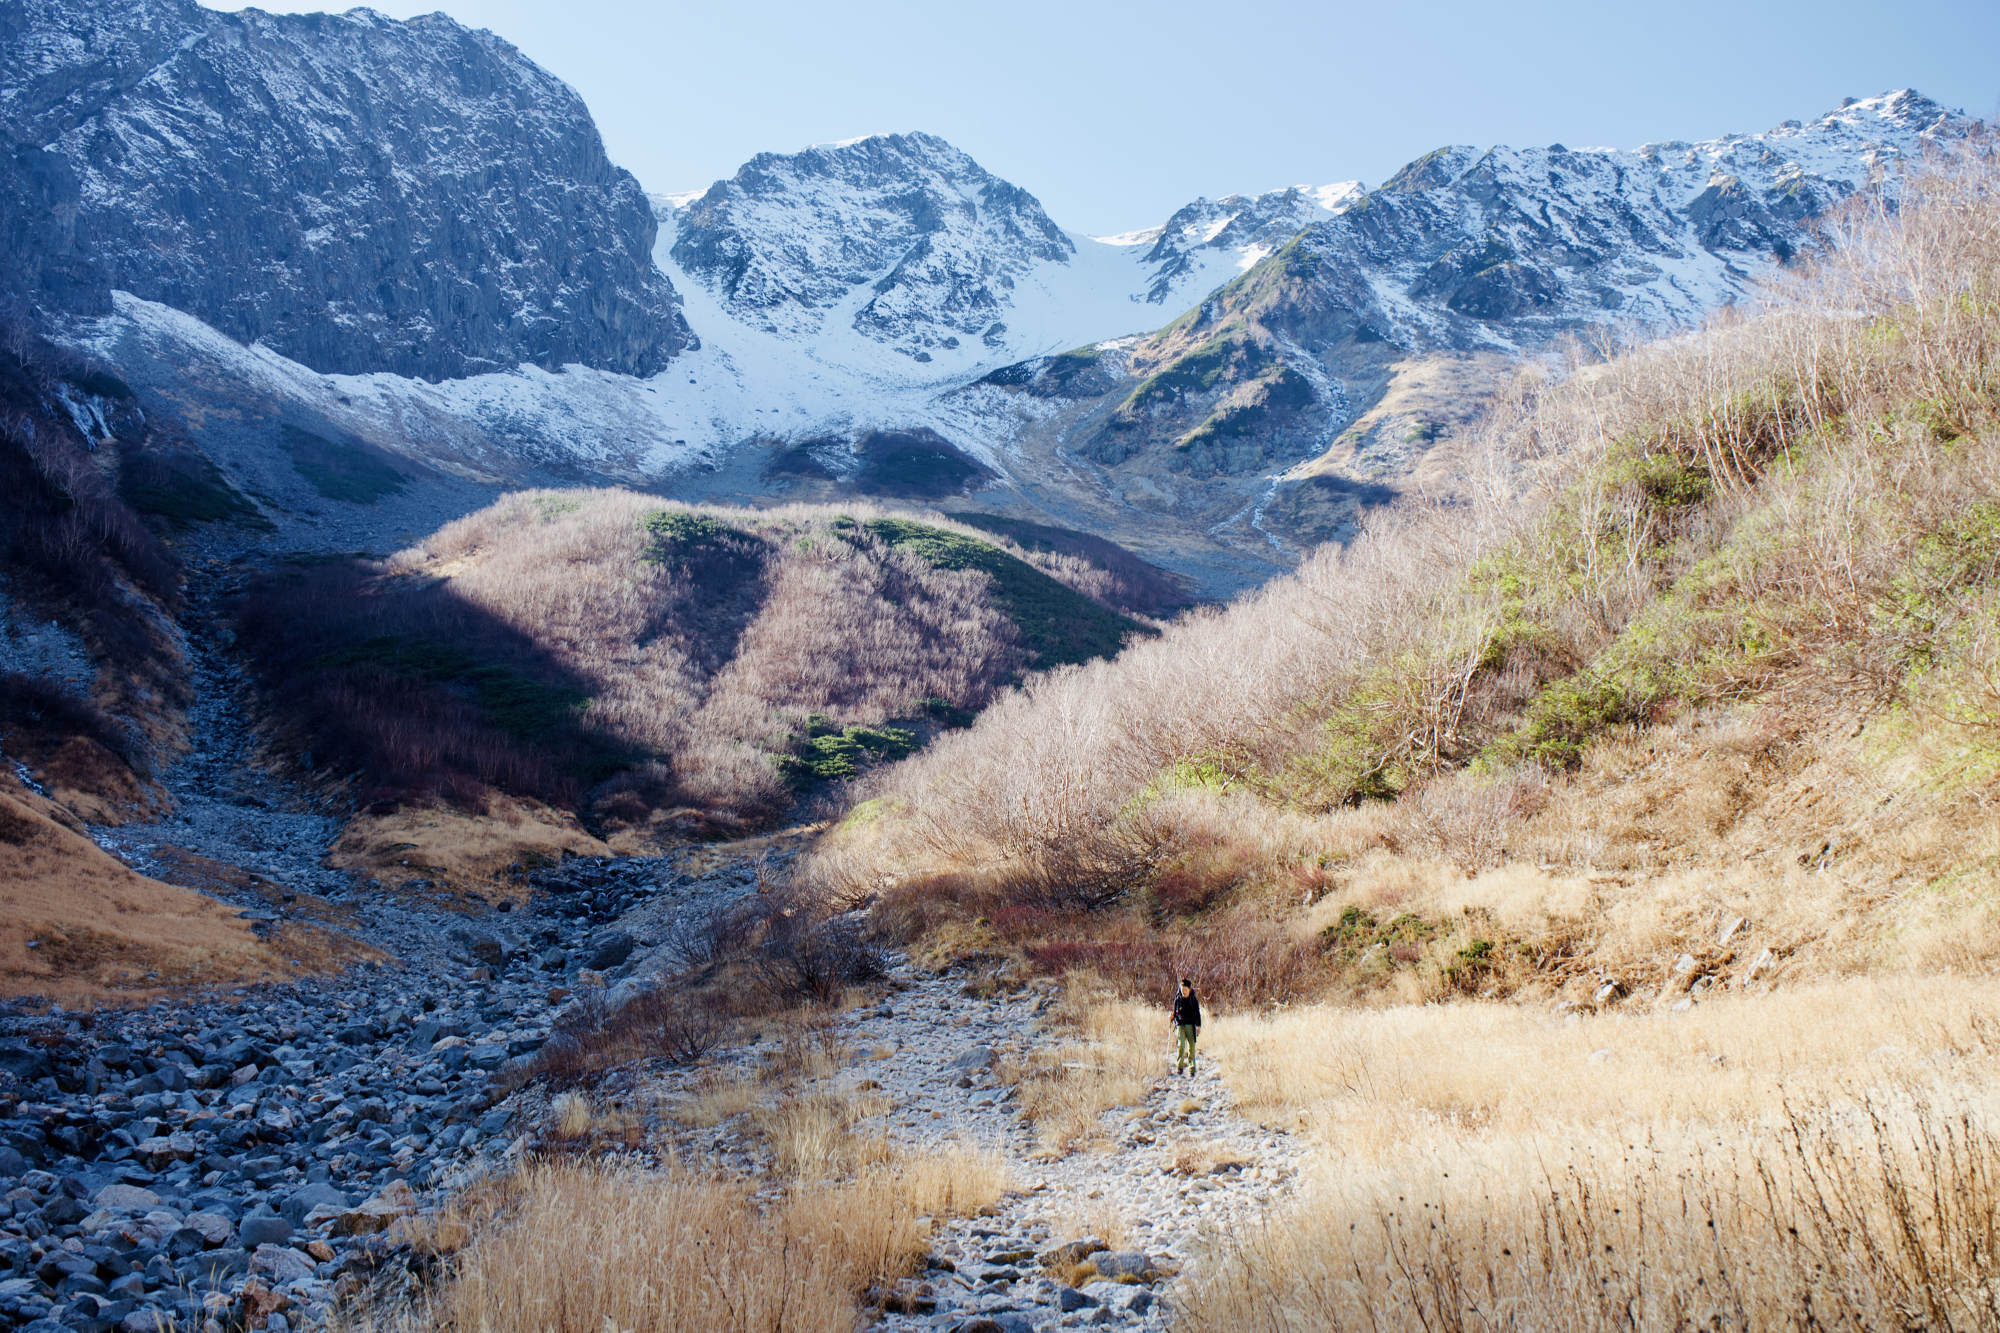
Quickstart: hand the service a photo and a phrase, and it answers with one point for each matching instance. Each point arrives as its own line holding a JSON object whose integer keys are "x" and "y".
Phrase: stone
{"x": 148, "y": 1319}
{"x": 130, "y": 1197}
{"x": 977, "y": 1057}
{"x": 61, "y": 1211}
{"x": 1732, "y": 928}
{"x": 260, "y": 1302}
{"x": 487, "y": 948}
{"x": 163, "y": 1150}
{"x": 217, "y": 1265}
{"x": 1069, "y": 1298}
{"x": 396, "y": 1200}
{"x": 25, "y": 1063}
{"x": 1115, "y": 1264}
{"x": 1601, "y": 1055}
{"x": 1764, "y": 962}
{"x": 319, "y": 1250}
{"x": 280, "y": 1263}
{"x": 303, "y": 1201}
{"x": 609, "y": 948}
{"x": 1684, "y": 965}
{"x": 257, "y": 1230}
{"x": 1609, "y": 993}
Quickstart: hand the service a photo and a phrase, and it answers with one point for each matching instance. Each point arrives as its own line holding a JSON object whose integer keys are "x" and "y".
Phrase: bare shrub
{"x": 802, "y": 961}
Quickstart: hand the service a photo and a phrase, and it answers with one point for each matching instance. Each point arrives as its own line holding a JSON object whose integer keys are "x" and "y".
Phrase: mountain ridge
{"x": 357, "y": 193}
{"x": 1326, "y": 338}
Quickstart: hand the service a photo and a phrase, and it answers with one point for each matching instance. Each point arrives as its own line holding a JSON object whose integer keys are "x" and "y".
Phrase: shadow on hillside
{"x": 416, "y": 692}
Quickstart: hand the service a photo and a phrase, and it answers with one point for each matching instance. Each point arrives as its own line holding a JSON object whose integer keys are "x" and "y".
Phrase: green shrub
{"x": 1058, "y": 625}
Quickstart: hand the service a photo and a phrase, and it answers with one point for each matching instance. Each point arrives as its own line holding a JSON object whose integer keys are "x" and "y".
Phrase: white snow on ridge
{"x": 816, "y": 368}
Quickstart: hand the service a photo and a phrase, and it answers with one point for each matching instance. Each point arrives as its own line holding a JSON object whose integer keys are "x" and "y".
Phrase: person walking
{"x": 1187, "y": 1024}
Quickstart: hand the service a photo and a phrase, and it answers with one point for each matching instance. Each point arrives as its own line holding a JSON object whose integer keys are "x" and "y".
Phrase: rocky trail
{"x": 236, "y": 1160}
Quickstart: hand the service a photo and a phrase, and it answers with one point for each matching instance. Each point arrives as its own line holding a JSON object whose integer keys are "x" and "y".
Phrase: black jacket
{"x": 1187, "y": 1011}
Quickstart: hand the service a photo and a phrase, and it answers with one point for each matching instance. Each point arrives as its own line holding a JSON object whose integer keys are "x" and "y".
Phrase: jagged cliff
{"x": 356, "y": 193}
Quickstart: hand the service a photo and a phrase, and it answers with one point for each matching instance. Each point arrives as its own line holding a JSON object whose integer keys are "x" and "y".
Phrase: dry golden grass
{"x": 93, "y": 784}
{"x": 718, "y": 1095}
{"x": 1367, "y": 1082}
{"x": 1823, "y": 1157}
{"x": 567, "y": 1248}
{"x": 1112, "y": 1052}
{"x": 712, "y": 668}
{"x": 450, "y": 846}
{"x": 103, "y": 932}
{"x": 813, "y": 1136}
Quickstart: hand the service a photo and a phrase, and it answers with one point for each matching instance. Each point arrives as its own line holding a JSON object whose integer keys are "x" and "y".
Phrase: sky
{"x": 1116, "y": 114}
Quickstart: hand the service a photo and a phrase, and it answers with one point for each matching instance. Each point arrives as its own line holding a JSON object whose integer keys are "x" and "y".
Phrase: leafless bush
{"x": 696, "y": 937}
{"x": 813, "y": 962}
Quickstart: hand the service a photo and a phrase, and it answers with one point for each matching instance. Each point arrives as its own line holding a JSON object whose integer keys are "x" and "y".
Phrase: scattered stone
{"x": 130, "y": 1197}
{"x": 280, "y": 1263}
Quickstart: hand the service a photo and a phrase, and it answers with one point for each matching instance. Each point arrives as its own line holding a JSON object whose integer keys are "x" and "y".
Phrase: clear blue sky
{"x": 1115, "y": 114}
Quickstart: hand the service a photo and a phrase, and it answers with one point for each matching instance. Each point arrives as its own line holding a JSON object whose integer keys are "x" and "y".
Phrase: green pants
{"x": 1184, "y": 1048}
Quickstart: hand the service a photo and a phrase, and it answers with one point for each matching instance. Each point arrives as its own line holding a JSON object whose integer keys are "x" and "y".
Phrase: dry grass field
{"x": 660, "y": 1252}
{"x": 99, "y": 931}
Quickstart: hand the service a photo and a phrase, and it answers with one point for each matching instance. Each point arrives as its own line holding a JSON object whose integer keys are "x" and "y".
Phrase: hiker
{"x": 1187, "y": 1023}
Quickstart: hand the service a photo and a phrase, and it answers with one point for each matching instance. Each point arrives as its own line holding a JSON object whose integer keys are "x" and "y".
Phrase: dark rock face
{"x": 359, "y": 194}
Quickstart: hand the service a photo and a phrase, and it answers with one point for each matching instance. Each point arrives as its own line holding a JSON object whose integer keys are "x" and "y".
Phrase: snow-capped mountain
{"x": 407, "y": 235}
{"x": 356, "y": 193}
{"x": 1232, "y": 230}
{"x": 1499, "y": 251}
{"x": 900, "y": 237}
{"x": 1502, "y": 247}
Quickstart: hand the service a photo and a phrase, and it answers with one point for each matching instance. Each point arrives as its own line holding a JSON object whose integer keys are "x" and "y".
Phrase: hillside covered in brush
{"x": 649, "y": 666}
{"x": 1718, "y": 643}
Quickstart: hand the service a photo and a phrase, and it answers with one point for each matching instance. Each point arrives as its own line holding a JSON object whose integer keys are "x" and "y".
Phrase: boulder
{"x": 977, "y": 1057}
{"x": 487, "y": 948}
{"x": 303, "y": 1201}
{"x": 163, "y": 1150}
{"x": 396, "y": 1200}
{"x": 133, "y": 1198}
{"x": 1115, "y": 1264}
{"x": 280, "y": 1263}
{"x": 218, "y": 1266}
{"x": 608, "y": 948}
{"x": 23, "y": 1062}
{"x": 261, "y": 1229}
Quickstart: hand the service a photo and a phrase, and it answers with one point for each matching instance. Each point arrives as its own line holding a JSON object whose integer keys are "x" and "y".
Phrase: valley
{"x": 588, "y": 759}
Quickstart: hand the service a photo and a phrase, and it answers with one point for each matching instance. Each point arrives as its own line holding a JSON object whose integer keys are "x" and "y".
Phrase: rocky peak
{"x": 357, "y": 193}
{"x": 911, "y": 241}
{"x": 1249, "y": 226}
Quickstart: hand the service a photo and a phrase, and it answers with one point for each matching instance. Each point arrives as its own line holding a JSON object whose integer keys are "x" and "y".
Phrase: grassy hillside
{"x": 1718, "y": 642}
{"x": 654, "y": 668}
